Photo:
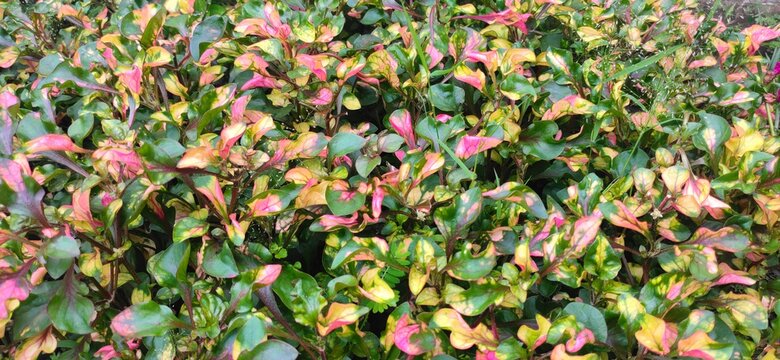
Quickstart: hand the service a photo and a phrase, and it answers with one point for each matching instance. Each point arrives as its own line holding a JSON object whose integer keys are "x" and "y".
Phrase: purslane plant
{"x": 565, "y": 179}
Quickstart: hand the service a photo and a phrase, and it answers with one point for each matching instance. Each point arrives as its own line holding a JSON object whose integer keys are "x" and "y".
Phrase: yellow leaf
{"x": 339, "y": 315}
{"x": 656, "y": 335}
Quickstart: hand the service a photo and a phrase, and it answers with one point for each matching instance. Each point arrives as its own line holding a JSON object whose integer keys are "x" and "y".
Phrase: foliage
{"x": 382, "y": 180}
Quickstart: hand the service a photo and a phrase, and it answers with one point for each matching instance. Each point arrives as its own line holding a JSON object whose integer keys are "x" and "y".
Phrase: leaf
{"x": 601, "y": 259}
{"x": 157, "y": 56}
{"x": 656, "y": 335}
{"x": 463, "y": 336}
{"x": 401, "y": 122}
{"x": 345, "y": 143}
{"x": 410, "y": 338}
{"x": 469, "y": 146}
{"x": 469, "y": 267}
{"x": 617, "y": 214}
{"x": 590, "y": 317}
{"x": 585, "y": 231}
{"x": 169, "y": 267}
{"x": 271, "y": 349}
{"x": 713, "y": 133}
{"x": 206, "y": 32}
{"x": 300, "y": 293}
{"x": 570, "y": 105}
{"x": 700, "y": 345}
{"x": 62, "y": 247}
{"x": 538, "y": 140}
{"x": 521, "y": 194}
{"x": 475, "y": 78}
{"x": 208, "y": 185}
{"x": 142, "y": 320}
{"x": 516, "y": 86}
{"x": 69, "y": 310}
{"x": 52, "y": 142}
{"x": 725, "y": 239}
{"x": 446, "y": 97}
{"x": 343, "y": 203}
{"x": 219, "y": 263}
{"x": 746, "y": 310}
{"x": 473, "y": 301}
{"x": 675, "y": 177}
{"x": 339, "y": 315}
{"x": 452, "y": 220}
{"x": 192, "y": 226}
{"x": 249, "y": 335}
{"x": 153, "y": 27}
{"x": 533, "y": 338}
{"x": 642, "y": 64}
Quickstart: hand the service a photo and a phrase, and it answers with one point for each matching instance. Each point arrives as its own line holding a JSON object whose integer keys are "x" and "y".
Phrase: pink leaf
{"x": 8, "y": 99}
{"x": 238, "y": 108}
{"x": 585, "y": 230}
{"x": 259, "y": 81}
{"x": 13, "y": 286}
{"x": 505, "y": 17}
{"x": 582, "y": 338}
{"x": 435, "y": 55}
{"x": 132, "y": 80}
{"x": 52, "y": 142}
{"x": 329, "y": 222}
{"x": 251, "y": 61}
{"x": 401, "y": 121}
{"x": 267, "y": 205}
{"x": 475, "y": 78}
{"x": 757, "y": 34}
{"x": 229, "y": 135}
{"x": 314, "y": 64}
{"x": 402, "y": 336}
{"x": 267, "y": 274}
{"x": 731, "y": 276}
{"x": 107, "y": 353}
{"x": 470, "y": 145}
{"x": 324, "y": 97}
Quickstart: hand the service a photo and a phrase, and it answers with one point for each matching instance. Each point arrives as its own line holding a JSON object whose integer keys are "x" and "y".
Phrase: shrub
{"x": 381, "y": 180}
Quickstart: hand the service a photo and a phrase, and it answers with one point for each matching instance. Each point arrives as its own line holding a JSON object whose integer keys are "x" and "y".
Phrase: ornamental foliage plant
{"x": 365, "y": 179}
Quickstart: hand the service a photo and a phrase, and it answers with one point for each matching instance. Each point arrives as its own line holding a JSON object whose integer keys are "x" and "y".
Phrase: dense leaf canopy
{"x": 344, "y": 179}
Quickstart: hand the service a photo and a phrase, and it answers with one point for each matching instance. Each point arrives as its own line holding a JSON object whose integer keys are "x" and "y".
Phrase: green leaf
{"x": 219, "y": 263}
{"x": 601, "y": 260}
{"x": 145, "y": 319}
{"x": 590, "y": 317}
{"x": 364, "y": 164}
{"x": 344, "y": 143}
{"x": 272, "y": 47}
{"x": 62, "y": 247}
{"x": 746, "y": 310}
{"x": 206, "y": 32}
{"x": 470, "y": 267}
{"x": 453, "y": 219}
{"x": 516, "y": 86}
{"x": 271, "y": 349}
{"x": 169, "y": 268}
{"x": 538, "y": 140}
{"x": 342, "y": 203}
{"x": 642, "y": 64}
{"x": 249, "y": 335}
{"x": 153, "y": 27}
{"x": 712, "y": 134}
{"x": 300, "y": 293}
{"x": 69, "y": 310}
{"x": 189, "y": 227}
{"x": 473, "y": 301}
{"x": 446, "y": 97}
